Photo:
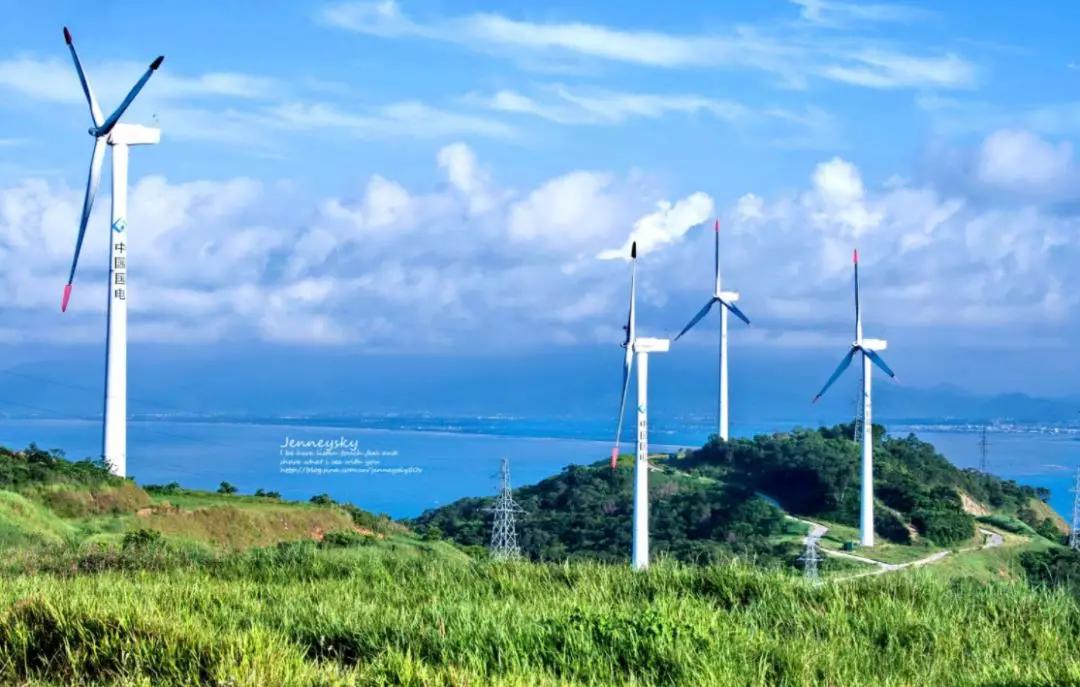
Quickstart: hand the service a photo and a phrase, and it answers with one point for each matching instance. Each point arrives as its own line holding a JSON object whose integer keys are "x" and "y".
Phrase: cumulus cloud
{"x": 386, "y": 266}
{"x": 838, "y": 198}
{"x": 931, "y": 257}
{"x": 395, "y": 267}
{"x": 1019, "y": 161}
{"x": 667, "y": 224}
{"x": 567, "y": 212}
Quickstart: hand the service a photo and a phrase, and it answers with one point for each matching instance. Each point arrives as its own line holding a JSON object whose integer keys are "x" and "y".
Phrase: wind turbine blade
{"x": 716, "y": 254}
{"x": 628, "y": 363}
{"x": 109, "y": 123}
{"x": 95, "y": 111}
{"x": 631, "y": 320}
{"x": 836, "y": 374}
{"x": 92, "y": 180}
{"x": 735, "y": 311}
{"x": 858, "y": 315}
{"x": 628, "y": 359}
{"x": 880, "y": 362}
{"x": 697, "y": 318}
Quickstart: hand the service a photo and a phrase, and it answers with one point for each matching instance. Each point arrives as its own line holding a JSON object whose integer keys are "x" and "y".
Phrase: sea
{"x": 404, "y": 465}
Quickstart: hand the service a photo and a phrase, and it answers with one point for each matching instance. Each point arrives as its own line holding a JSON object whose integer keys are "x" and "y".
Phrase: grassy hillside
{"x": 302, "y": 615}
{"x": 105, "y": 583}
{"x": 23, "y": 522}
{"x": 728, "y": 500}
{"x": 48, "y": 501}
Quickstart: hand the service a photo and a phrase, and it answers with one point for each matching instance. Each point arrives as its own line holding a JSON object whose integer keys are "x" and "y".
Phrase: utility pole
{"x": 1074, "y": 533}
{"x": 810, "y": 559}
{"x": 984, "y": 450}
{"x": 504, "y": 544}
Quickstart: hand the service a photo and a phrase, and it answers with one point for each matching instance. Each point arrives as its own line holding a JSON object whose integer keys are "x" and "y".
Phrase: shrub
{"x": 1053, "y": 568}
{"x": 944, "y": 527}
{"x": 889, "y": 525}
{"x": 343, "y": 539}
{"x": 170, "y": 488}
{"x": 227, "y": 488}
{"x": 141, "y": 538}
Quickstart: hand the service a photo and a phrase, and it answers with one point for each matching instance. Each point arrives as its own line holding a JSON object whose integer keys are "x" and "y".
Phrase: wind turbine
{"x": 726, "y": 299}
{"x": 109, "y": 131}
{"x": 641, "y": 347}
{"x": 869, "y": 349}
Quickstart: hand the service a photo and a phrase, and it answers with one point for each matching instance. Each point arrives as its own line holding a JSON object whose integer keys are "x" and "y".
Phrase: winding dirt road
{"x": 817, "y": 531}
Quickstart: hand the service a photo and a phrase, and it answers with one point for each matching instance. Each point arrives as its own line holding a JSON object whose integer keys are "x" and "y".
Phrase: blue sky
{"x": 424, "y": 177}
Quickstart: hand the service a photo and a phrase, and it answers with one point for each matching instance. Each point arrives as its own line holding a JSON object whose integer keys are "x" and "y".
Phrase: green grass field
{"x": 395, "y": 614}
{"x": 104, "y": 584}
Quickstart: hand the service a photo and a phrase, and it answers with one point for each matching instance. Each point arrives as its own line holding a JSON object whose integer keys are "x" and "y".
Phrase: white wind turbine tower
{"x": 869, "y": 349}
{"x": 641, "y": 347}
{"x": 726, "y": 299}
{"x": 109, "y": 131}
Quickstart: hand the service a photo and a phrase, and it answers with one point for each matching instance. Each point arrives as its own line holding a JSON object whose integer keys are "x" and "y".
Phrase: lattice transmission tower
{"x": 1074, "y": 533}
{"x": 856, "y": 426}
{"x": 504, "y": 544}
{"x": 810, "y": 559}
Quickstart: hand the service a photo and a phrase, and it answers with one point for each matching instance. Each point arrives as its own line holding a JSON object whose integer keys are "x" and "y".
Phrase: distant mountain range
{"x": 581, "y": 384}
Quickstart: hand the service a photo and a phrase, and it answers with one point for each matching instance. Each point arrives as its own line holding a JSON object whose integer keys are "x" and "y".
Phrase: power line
{"x": 504, "y": 544}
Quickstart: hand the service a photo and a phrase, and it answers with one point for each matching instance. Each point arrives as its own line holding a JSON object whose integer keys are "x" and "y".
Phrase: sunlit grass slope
{"x": 385, "y": 613}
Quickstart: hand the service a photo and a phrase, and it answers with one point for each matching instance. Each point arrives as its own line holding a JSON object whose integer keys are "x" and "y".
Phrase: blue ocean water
{"x": 404, "y": 465}
{"x": 1037, "y": 458}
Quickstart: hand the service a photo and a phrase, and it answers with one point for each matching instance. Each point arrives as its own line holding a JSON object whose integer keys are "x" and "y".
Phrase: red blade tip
{"x": 717, "y": 226}
{"x": 157, "y": 62}
{"x": 614, "y": 457}
{"x": 855, "y": 256}
{"x": 67, "y": 297}
{"x": 633, "y": 250}
{"x": 67, "y": 36}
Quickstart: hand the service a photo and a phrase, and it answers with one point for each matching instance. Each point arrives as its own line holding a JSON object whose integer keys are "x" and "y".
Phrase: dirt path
{"x": 817, "y": 531}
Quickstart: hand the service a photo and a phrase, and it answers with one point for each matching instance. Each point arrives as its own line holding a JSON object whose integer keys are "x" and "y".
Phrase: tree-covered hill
{"x": 708, "y": 503}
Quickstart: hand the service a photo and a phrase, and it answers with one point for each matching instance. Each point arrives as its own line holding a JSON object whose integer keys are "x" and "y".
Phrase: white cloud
{"x": 465, "y": 174}
{"x": 411, "y": 119}
{"x": 930, "y": 258}
{"x": 749, "y": 208}
{"x": 666, "y": 225}
{"x": 390, "y": 266}
{"x": 1019, "y": 161}
{"x": 838, "y": 198}
{"x": 213, "y": 260}
{"x": 235, "y": 108}
{"x": 55, "y": 80}
{"x": 881, "y": 69}
{"x": 838, "y": 14}
{"x": 610, "y": 107}
{"x": 570, "y": 211}
{"x": 793, "y": 57}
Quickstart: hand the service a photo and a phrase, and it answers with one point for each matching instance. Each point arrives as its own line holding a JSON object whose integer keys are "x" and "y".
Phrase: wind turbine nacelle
{"x": 728, "y": 296}
{"x": 134, "y": 135}
{"x": 650, "y": 345}
{"x": 874, "y": 344}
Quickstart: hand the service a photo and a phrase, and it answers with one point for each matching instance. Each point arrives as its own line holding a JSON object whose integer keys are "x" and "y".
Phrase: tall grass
{"x": 300, "y": 615}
